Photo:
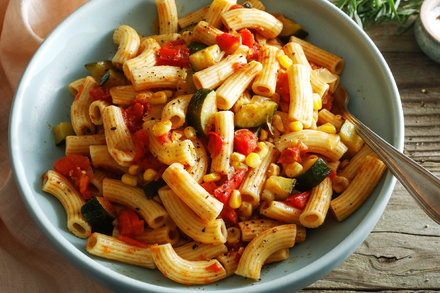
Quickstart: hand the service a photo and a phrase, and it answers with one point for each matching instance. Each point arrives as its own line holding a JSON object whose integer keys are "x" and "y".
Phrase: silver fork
{"x": 420, "y": 183}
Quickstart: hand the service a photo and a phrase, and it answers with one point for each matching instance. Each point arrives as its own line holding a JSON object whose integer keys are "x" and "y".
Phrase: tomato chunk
{"x": 100, "y": 93}
{"x": 129, "y": 223}
{"x": 174, "y": 53}
{"x": 228, "y": 42}
{"x": 293, "y": 154}
{"x": 247, "y": 38}
{"x": 298, "y": 200}
{"x": 140, "y": 139}
{"x": 78, "y": 170}
{"x": 245, "y": 141}
{"x": 229, "y": 215}
{"x": 215, "y": 144}
{"x": 134, "y": 113}
{"x": 223, "y": 192}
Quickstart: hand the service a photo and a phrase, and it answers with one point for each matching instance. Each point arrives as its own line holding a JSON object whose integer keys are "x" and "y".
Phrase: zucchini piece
{"x": 196, "y": 46}
{"x": 350, "y": 138}
{"x": 313, "y": 176}
{"x": 255, "y": 114}
{"x": 151, "y": 188}
{"x": 290, "y": 28}
{"x": 106, "y": 73}
{"x": 61, "y": 131}
{"x": 280, "y": 187}
{"x": 201, "y": 108}
{"x": 99, "y": 213}
{"x": 204, "y": 58}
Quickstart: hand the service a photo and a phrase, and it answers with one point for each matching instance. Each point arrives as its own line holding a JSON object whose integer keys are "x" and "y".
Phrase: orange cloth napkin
{"x": 28, "y": 262}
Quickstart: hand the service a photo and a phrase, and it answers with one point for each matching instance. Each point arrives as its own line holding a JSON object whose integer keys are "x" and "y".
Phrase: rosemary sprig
{"x": 372, "y": 12}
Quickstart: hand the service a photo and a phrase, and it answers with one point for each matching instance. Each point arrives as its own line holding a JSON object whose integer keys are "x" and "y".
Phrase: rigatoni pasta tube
{"x": 266, "y": 24}
{"x": 320, "y": 56}
{"x": 296, "y": 53}
{"x": 253, "y": 182}
{"x": 193, "y": 17}
{"x": 123, "y": 95}
{"x": 359, "y": 189}
{"x": 234, "y": 86}
{"x": 101, "y": 158}
{"x": 214, "y": 75}
{"x": 175, "y": 110}
{"x": 128, "y": 40}
{"x": 215, "y": 11}
{"x": 224, "y": 127}
{"x": 61, "y": 188}
{"x": 159, "y": 235}
{"x": 317, "y": 206}
{"x": 152, "y": 212}
{"x": 213, "y": 232}
{"x": 120, "y": 144}
{"x": 146, "y": 58}
{"x": 251, "y": 228}
{"x": 186, "y": 271}
{"x": 200, "y": 251}
{"x": 96, "y": 109}
{"x": 79, "y": 111}
{"x": 329, "y": 145}
{"x": 280, "y": 211}
{"x": 194, "y": 195}
{"x": 157, "y": 77}
{"x": 167, "y": 12}
{"x": 265, "y": 82}
{"x": 301, "y": 99}
{"x": 205, "y": 33}
{"x": 201, "y": 166}
{"x": 355, "y": 163}
{"x": 79, "y": 145}
{"x": 262, "y": 246}
{"x": 112, "y": 248}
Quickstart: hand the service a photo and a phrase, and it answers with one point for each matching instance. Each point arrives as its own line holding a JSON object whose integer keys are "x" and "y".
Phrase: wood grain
{"x": 402, "y": 254}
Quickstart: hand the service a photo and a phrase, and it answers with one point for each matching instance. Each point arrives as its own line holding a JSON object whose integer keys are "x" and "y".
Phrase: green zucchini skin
{"x": 313, "y": 176}
{"x": 200, "y": 110}
{"x": 98, "y": 216}
{"x": 106, "y": 74}
{"x": 196, "y": 46}
{"x": 255, "y": 114}
{"x": 150, "y": 189}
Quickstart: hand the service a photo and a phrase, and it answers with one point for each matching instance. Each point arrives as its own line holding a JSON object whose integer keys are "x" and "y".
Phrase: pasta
{"x": 208, "y": 151}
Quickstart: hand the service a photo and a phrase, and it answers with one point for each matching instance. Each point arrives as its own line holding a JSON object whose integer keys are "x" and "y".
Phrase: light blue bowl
{"x": 42, "y": 100}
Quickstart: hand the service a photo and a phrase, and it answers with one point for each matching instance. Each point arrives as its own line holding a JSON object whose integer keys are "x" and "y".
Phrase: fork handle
{"x": 420, "y": 183}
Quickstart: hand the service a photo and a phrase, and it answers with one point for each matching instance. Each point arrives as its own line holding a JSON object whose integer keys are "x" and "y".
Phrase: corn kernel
{"x": 239, "y": 166}
{"x": 237, "y": 157}
{"x": 340, "y": 183}
{"x": 327, "y": 128}
{"x": 129, "y": 179}
{"x": 149, "y": 175}
{"x": 277, "y": 122}
{"x": 189, "y": 132}
{"x": 168, "y": 93}
{"x": 295, "y": 126}
{"x": 161, "y": 127}
{"x": 235, "y": 199}
{"x": 284, "y": 61}
{"x": 317, "y": 102}
{"x": 253, "y": 160}
{"x": 263, "y": 150}
{"x": 234, "y": 235}
{"x": 245, "y": 209}
{"x": 158, "y": 98}
{"x": 134, "y": 170}
{"x": 267, "y": 195}
{"x": 263, "y": 135}
{"x": 212, "y": 177}
{"x": 309, "y": 161}
{"x": 273, "y": 170}
{"x": 293, "y": 169}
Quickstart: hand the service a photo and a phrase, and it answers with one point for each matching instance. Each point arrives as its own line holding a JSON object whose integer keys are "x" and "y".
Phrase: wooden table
{"x": 403, "y": 251}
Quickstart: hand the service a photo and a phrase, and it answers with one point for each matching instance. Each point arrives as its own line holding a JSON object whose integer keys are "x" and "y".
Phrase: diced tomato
{"x": 247, "y": 38}
{"x": 77, "y": 168}
{"x": 174, "y": 53}
{"x": 131, "y": 241}
{"x": 129, "y": 223}
{"x": 282, "y": 87}
{"x": 229, "y": 215}
{"x": 255, "y": 51}
{"x": 140, "y": 139}
{"x": 215, "y": 267}
{"x": 215, "y": 144}
{"x": 245, "y": 141}
{"x": 298, "y": 200}
{"x": 209, "y": 186}
{"x": 134, "y": 113}
{"x": 151, "y": 162}
{"x": 100, "y": 93}
{"x": 228, "y": 42}
{"x": 165, "y": 138}
{"x": 223, "y": 192}
{"x": 236, "y": 6}
{"x": 293, "y": 154}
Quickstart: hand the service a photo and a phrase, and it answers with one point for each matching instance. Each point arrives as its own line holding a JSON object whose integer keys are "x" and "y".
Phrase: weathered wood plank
{"x": 387, "y": 39}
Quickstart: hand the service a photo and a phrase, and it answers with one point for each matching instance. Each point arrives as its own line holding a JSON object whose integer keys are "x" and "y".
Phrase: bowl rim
{"x": 117, "y": 281}
{"x": 425, "y": 9}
